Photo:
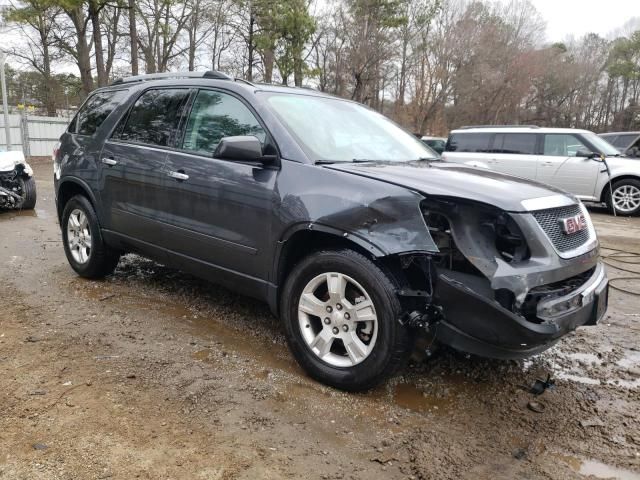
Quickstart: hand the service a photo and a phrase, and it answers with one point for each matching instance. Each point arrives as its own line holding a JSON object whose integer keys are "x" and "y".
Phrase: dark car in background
{"x": 437, "y": 144}
{"x": 340, "y": 220}
{"x": 627, "y": 142}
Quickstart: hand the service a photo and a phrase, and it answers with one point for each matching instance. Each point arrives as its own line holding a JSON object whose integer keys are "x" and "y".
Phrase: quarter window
{"x": 563, "y": 145}
{"x": 95, "y": 110}
{"x": 515, "y": 143}
{"x": 216, "y": 115}
{"x": 154, "y": 117}
{"x": 469, "y": 142}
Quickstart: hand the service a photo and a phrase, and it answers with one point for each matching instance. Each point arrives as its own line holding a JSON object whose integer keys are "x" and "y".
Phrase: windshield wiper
{"x": 354, "y": 160}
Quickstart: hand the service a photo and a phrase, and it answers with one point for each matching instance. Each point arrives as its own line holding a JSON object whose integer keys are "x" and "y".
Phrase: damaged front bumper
{"x": 475, "y": 324}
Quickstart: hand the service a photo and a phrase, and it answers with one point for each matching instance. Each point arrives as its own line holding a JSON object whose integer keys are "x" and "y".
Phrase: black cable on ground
{"x": 619, "y": 256}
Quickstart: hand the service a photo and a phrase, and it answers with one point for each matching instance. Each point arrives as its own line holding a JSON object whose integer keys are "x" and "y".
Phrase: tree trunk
{"x": 250, "y": 46}
{"x": 268, "y": 65}
{"x": 50, "y": 99}
{"x": 133, "y": 36}
{"x": 94, "y": 15}
{"x": 84, "y": 53}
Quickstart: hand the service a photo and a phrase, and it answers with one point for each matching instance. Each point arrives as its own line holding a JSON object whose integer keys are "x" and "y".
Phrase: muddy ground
{"x": 154, "y": 374}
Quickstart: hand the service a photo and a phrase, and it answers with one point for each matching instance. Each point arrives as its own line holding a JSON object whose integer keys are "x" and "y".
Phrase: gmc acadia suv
{"x": 340, "y": 220}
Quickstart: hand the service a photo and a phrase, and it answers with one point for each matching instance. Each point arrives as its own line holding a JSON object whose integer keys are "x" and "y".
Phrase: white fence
{"x": 35, "y": 136}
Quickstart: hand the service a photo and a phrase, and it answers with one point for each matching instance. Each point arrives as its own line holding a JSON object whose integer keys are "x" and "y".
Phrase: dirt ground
{"x": 154, "y": 374}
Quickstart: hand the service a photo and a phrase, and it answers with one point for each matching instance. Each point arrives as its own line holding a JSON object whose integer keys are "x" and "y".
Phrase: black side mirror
{"x": 586, "y": 153}
{"x": 242, "y": 148}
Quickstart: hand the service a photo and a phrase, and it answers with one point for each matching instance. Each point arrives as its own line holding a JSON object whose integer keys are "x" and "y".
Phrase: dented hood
{"x": 451, "y": 180}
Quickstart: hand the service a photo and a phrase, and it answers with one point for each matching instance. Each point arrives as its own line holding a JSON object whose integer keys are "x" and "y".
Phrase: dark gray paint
{"x": 229, "y": 221}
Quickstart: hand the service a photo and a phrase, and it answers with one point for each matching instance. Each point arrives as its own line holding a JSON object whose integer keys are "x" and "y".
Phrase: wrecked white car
{"x": 17, "y": 185}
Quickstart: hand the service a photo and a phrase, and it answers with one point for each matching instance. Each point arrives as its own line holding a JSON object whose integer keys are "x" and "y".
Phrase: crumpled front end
{"x": 505, "y": 284}
{"x": 14, "y": 171}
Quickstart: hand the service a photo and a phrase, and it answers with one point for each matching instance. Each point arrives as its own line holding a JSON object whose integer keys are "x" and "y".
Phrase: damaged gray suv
{"x": 345, "y": 224}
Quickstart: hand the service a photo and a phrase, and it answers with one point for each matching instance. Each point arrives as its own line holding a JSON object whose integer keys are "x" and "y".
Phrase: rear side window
{"x": 515, "y": 143}
{"x": 154, "y": 118}
{"x": 468, "y": 142}
{"x": 95, "y": 110}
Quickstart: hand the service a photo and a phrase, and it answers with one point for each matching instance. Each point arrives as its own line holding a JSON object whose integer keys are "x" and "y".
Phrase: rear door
{"x": 81, "y": 143}
{"x": 132, "y": 164}
{"x": 559, "y": 166}
{"x": 515, "y": 154}
{"x": 220, "y": 211}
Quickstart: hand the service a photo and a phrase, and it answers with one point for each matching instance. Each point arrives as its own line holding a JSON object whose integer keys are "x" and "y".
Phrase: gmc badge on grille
{"x": 573, "y": 224}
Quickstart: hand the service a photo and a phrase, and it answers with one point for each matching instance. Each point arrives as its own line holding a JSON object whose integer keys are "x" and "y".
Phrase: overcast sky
{"x": 578, "y": 17}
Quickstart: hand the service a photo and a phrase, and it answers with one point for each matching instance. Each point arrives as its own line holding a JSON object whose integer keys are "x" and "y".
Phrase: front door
{"x": 559, "y": 166}
{"x": 219, "y": 211}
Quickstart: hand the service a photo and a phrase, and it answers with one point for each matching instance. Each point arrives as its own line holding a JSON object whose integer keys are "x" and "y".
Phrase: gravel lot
{"x": 154, "y": 374}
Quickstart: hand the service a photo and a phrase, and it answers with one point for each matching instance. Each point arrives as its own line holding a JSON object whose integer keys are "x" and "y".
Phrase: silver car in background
{"x": 578, "y": 161}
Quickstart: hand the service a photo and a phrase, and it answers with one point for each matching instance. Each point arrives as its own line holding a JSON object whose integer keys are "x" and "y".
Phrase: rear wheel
{"x": 625, "y": 198}
{"x": 84, "y": 247}
{"x": 28, "y": 187}
{"x": 340, "y": 313}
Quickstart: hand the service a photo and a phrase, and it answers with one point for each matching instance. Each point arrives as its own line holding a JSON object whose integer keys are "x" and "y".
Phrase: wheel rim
{"x": 79, "y": 236}
{"x": 626, "y": 198}
{"x": 338, "y": 319}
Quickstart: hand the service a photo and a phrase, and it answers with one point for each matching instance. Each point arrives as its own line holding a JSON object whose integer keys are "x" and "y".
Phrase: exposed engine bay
{"x": 17, "y": 185}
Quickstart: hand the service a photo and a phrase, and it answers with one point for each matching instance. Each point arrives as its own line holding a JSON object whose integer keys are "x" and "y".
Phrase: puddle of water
{"x": 201, "y": 354}
{"x": 597, "y": 469}
{"x": 411, "y": 397}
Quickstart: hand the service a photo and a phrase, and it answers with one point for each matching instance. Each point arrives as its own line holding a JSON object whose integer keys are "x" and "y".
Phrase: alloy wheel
{"x": 626, "y": 198}
{"x": 79, "y": 236}
{"x": 337, "y": 319}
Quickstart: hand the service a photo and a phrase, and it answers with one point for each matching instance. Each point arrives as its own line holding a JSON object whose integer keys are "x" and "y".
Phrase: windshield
{"x": 601, "y": 145}
{"x": 333, "y": 130}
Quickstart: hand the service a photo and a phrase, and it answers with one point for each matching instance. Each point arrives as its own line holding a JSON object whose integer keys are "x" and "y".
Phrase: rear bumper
{"x": 475, "y": 324}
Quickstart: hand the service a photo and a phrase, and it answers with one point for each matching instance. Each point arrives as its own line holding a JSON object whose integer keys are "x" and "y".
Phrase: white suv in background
{"x": 570, "y": 159}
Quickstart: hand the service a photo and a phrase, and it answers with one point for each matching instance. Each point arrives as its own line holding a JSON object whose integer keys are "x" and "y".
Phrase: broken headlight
{"x": 509, "y": 240}
{"x": 480, "y": 233}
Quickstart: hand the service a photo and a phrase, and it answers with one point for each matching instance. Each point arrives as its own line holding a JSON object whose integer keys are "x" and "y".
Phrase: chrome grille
{"x": 549, "y": 220}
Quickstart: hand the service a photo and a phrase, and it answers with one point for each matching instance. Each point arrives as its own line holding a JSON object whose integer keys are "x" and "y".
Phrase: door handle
{"x": 180, "y": 176}
{"x": 109, "y": 161}
{"x": 547, "y": 163}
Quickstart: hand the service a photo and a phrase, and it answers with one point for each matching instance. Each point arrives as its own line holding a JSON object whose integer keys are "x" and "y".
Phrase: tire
{"x": 626, "y": 197}
{"x": 98, "y": 260}
{"x": 389, "y": 342}
{"x": 28, "y": 186}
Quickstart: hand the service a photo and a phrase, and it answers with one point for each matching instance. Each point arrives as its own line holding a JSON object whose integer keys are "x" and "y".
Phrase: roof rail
{"x": 245, "y": 81}
{"x": 497, "y": 126}
{"x": 213, "y": 74}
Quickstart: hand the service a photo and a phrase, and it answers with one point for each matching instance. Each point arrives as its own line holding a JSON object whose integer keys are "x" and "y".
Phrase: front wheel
{"x": 625, "y": 198}
{"x": 340, "y": 313}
